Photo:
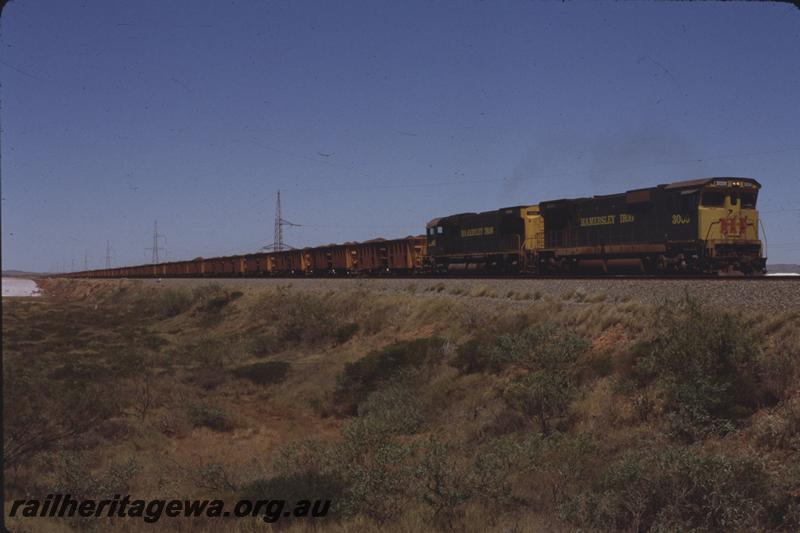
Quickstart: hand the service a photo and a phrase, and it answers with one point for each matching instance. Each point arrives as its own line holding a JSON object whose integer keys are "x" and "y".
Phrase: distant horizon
{"x": 373, "y": 119}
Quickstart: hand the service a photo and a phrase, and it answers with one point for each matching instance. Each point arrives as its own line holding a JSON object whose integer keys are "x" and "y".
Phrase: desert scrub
{"x": 395, "y": 407}
{"x": 215, "y": 304}
{"x": 42, "y": 412}
{"x": 546, "y": 391}
{"x": 264, "y": 345}
{"x": 74, "y": 476}
{"x": 361, "y": 377}
{"x": 705, "y": 363}
{"x": 210, "y": 416}
{"x": 779, "y": 428}
{"x": 345, "y": 332}
{"x": 296, "y": 318}
{"x": 265, "y": 373}
{"x": 368, "y": 472}
{"x": 530, "y": 346}
{"x": 324, "y": 488}
{"x": 494, "y": 353}
{"x": 173, "y": 302}
{"x": 447, "y": 481}
{"x": 682, "y": 489}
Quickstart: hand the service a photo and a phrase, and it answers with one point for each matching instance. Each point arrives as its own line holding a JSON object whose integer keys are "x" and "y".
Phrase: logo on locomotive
{"x": 477, "y": 232}
{"x": 607, "y": 220}
{"x": 733, "y": 226}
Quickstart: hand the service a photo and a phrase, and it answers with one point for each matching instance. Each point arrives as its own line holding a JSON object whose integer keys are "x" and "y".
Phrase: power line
{"x": 543, "y": 176}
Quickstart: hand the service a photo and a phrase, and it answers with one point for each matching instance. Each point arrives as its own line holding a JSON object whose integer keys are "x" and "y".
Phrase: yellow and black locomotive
{"x": 706, "y": 226}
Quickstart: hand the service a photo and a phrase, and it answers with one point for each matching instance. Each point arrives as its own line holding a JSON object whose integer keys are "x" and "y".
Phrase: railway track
{"x": 493, "y": 277}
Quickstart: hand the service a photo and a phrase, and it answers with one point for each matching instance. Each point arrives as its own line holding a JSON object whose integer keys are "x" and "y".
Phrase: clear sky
{"x": 374, "y": 117}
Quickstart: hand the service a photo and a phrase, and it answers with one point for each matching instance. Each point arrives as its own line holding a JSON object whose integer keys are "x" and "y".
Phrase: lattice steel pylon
{"x": 155, "y": 248}
{"x": 277, "y": 243}
{"x": 108, "y": 254}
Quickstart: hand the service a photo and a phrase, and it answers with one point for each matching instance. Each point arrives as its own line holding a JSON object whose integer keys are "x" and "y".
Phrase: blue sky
{"x": 374, "y": 117}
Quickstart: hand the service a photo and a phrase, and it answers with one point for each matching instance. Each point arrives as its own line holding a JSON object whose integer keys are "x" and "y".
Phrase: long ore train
{"x": 704, "y": 227}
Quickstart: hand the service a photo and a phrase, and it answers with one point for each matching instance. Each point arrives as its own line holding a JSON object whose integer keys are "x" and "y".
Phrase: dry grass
{"x": 225, "y": 381}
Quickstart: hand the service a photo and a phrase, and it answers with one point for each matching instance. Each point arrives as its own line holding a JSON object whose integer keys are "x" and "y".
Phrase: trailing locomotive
{"x": 501, "y": 241}
{"x": 707, "y": 226}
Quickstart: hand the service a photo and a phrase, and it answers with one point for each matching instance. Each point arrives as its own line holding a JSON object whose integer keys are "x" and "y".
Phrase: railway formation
{"x": 698, "y": 228}
{"x": 781, "y": 295}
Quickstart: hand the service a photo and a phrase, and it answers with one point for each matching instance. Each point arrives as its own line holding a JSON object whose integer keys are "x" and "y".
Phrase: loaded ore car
{"x": 504, "y": 240}
{"x": 393, "y": 256}
{"x": 700, "y": 226}
{"x": 333, "y": 259}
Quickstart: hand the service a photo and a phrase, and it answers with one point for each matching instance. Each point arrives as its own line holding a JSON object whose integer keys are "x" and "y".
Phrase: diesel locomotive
{"x": 704, "y": 227}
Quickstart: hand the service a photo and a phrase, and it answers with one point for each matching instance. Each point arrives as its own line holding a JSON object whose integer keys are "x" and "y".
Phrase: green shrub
{"x": 42, "y": 413}
{"x": 396, "y": 406}
{"x": 361, "y": 377}
{"x": 74, "y": 476}
{"x": 203, "y": 293}
{"x": 305, "y": 485}
{"x": 471, "y": 357}
{"x": 532, "y": 347}
{"x": 265, "y": 345}
{"x": 541, "y": 396}
{"x": 367, "y": 473}
{"x": 172, "y": 302}
{"x": 265, "y": 373}
{"x": 375, "y": 468}
{"x": 445, "y": 484}
{"x": 680, "y": 490}
{"x": 152, "y": 342}
{"x": 704, "y": 361}
{"x": 779, "y": 427}
{"x": 216, "y": 304}
{"x": 210, "y": 416}
{"x": 345, "y": 332}
{"x": 549, "y": 387}
{"x": 308, "y": 318}
{"x": 206, "y": 351}
{"x": 780, "y": 371}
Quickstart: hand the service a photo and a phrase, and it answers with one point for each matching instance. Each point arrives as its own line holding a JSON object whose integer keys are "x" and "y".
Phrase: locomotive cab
{"x": 728, "y": 225}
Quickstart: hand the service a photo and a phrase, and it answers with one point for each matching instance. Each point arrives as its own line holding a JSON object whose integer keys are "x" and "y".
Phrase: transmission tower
{"x": 277, "y": 244}
{"x": 155, "y": 248}
{"x": 108, "y": 254}
{"x": 85, "y": 260}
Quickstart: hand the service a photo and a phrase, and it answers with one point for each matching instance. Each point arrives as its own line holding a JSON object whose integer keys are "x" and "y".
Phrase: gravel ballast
{"x": 733, "y": 294}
